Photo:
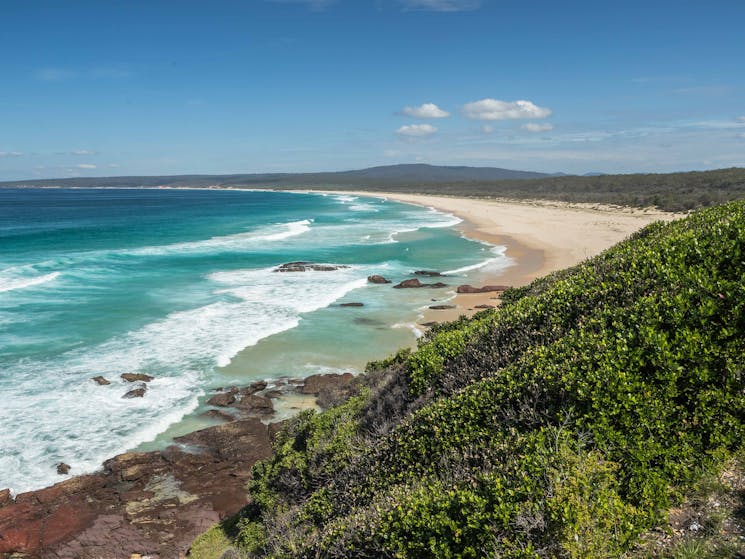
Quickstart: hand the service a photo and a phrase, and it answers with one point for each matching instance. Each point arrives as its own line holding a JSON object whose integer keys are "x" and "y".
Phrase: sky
{"x": 130, "y": 87}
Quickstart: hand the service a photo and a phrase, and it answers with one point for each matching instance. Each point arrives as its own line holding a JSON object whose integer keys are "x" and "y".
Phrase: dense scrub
{"x": 564, "y": 424}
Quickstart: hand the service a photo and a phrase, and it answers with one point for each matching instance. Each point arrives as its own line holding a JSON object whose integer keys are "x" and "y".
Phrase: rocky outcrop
{"x": 377, "y": 279}
{"x": 309, "y": 266}
{"x": 255, "y": 404}
{"x": 485, "y": 289}
{"x": 151, "y": 503}
{"x": 222, "y": 400}
{"x": 415, "y": 283}
{"x": 101, "y": 381}
{"x": 314, "y": 384}
{"x": 138, "y": 392}
{"x": 136, "y": 377}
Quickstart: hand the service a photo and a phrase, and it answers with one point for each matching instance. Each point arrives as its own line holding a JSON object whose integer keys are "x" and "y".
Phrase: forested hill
{"x": 564, "y": 424}
{"x": 672, "y": 191}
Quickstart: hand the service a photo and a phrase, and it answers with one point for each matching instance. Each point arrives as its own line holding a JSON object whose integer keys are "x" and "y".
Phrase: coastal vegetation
{"x": 667, "y": 191}
{"x": 566, "y": 423}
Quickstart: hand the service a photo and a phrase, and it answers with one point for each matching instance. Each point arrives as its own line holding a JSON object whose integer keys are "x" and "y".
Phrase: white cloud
{"x": 85, "y": 166}
{"x": 441, "y": 5}
{"x": 427, "y": 110}
{"x": 494, "y": 109}
{"x": 83, "y": 152}
{"x": 113, "y": 165}
{"x": 537, "y": 127}
{"x": 487, "y": 129}
{"x": 416, "y": 130}
{"x": 10, "y": 154}
{"x": 741, "y": 136}
{"x": 741, "y": 119}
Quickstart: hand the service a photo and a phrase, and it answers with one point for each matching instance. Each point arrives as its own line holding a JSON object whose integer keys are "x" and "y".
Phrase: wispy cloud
{"x": 83, "y": 152}
{"x": 441, "y": 5}
{"x": 10, "y": 153}
{"x": 537, "y": 127}
{"x": 64, "y": 74}
{"x": 416, "y": 130}
{"x": 487, "y": 129}
{"x": 427, "y": 110}
{"x": 85, "y": 166}
{"x": 740, "y": 119}
{"x": 494, "y": 109}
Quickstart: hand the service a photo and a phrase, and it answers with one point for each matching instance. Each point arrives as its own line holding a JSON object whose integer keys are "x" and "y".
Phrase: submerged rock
{"x": 377, "y": 279}
{"x": 442, "y": 307}
{"x": 101, "y": 381}
{"x": 413, "y": 283}
{"x": 136, "y": 377}
{"x": 352, "y": 305}
{"x": 428, "y": 273}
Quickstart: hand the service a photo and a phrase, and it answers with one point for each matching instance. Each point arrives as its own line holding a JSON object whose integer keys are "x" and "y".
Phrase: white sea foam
{"x": 499, "y": 261}
{"x": 12, "y": 284}
{"x": 235, "y": 242}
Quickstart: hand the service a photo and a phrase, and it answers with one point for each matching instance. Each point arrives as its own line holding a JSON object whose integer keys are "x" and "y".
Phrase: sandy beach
{"x": 540, "y": 236}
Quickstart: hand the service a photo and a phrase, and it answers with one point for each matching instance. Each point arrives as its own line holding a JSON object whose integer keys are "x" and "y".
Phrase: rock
{"x": 352, "y": 305}
{"x": 377, "y": 279}
{"x": 428, "y": 273}
{"x": 274, "y": 429}
{"x": 253, "y": 403}
{"x": 63, "y": 469}
{"x": 273, "y": 394}
{"x": 136, "y": 377}
{"x": 442, "y": 307}
{"x": 222, "y": 400}
{"x": 314, "y": 384}
{"x": 429, "y": 324}
{"x": 5, "y": 497}
{"x": 219, "y": 415}
{"x": 485, "y": 289}
{"x": 484, "y": 307}
{"x": 409, "y": 283}
{"x": 136, "y": 392}
{"x": 254, "y": 387}
{"x": 101, "y": 381}
{"x": 306, "y": 266}
{"x": 437, "y": 285}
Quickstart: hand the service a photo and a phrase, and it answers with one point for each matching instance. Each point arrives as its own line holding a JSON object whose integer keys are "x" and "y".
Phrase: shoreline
{"x": 539, "y": 236}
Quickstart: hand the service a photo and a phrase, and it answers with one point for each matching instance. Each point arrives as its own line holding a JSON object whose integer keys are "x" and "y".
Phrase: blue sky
{"x": 105, "y": 87}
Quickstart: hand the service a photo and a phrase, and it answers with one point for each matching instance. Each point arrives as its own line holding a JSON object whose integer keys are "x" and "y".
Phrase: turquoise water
{"x": 179, "y": 284}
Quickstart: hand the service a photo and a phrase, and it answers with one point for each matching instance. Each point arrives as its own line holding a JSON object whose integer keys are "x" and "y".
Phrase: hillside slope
{"x": 563, "y": 424}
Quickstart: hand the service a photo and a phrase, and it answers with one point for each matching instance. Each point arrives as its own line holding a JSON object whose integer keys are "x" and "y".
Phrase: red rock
{"x": 135, "y": 377}
{"x": 255, "y": 404}
{"x": 63, "y": 468}
{"x": 5, "y": 497}
{"x": 377, "y": 279}
{"x": 314, "y": 384}
{"x": 224, "y": 399}
{"x": 409, "y": 283}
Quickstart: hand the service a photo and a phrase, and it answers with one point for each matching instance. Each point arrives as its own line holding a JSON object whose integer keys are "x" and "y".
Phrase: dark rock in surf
{"x": 101, "y": 381}
{"x": 377, "y": 279}
{"x": 63, "y": 469}
{"x": 136, "y": 377}
{"x": 309, "y": 266}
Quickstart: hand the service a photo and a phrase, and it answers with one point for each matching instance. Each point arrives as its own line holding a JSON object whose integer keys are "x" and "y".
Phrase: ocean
{"x": 180, "y": 285}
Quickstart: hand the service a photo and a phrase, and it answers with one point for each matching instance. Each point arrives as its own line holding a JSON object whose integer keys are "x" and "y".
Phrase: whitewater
{"x": 181, "y": 285}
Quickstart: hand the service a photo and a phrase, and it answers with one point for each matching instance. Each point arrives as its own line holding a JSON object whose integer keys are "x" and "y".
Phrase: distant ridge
{"x": 416, "y": 172}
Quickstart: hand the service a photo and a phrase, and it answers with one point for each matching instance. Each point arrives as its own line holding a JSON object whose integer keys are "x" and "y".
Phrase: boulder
{"x": 219, "y": 415}
{"x": 409, "y": 283}
{"x": 442, "y": 307}
{"x": 101, "y": 381}
{"x": 437, "y": 285}
{"x": 485, "y": 289}
{"x": 377, "y": 279}
{"x": 222, "y": 400}
{"x": 136, "y": 377}
{"x": 136, "y": 392}
{"x": 5, "y": 497}
{"x": 314, "y": 384}
{"x": 253, "y": 403}
{"x": 254, "y": 387}
{"x": 308, "y": 266}
{"x": 63, "y": 469}
{"x": 352, "y": 305}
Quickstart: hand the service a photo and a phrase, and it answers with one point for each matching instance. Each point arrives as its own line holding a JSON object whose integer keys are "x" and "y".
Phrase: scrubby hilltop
{"x": 564, "y": 424}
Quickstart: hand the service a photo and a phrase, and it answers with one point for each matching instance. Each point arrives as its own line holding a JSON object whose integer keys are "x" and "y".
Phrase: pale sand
{"x": 540, "y": 236}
